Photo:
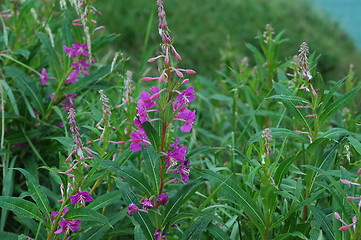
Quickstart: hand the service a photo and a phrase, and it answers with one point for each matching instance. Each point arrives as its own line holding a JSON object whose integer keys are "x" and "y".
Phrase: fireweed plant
{"x": 86, "y": 155}
{"x": 164, "y": 106}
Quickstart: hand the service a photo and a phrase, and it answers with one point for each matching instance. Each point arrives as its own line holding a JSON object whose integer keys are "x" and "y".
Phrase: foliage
{"x": 262, "y": 148}
{"x": 236, "y": 22}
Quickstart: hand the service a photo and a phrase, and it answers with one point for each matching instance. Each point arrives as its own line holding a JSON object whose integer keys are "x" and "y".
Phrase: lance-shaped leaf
{"x": 177, "y": 200}
{"x": 141, "y": 217}
{"x": 21, "y": 206}
{"x": 36, "y": 193}
{"x": 151, "y": 162}
{"x": 196, "y": 229}
{"x": 237, "y": 195}
{"x": 130, "y": 175}
{"x": 87, "y": 214}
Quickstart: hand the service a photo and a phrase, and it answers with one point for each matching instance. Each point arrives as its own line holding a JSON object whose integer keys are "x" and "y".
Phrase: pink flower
{"x": 345, "y": 227}
{"x": 146, "y": 203}
{"x": 176, "y": 155}
{"x": 187, "y": 96}
{"x": 72, "y": 77}
{"x": 44, "y": 77}
{"x": 311, "y": 116}
{"x": 138, "y": 138}
{"x": 81, "y": 197}
{"x": 163, "y": 198}
{"x": 189, "y": 117}
{"x": 68, "y": 225}
{"x": 55, "y": 213}
{"x": 132, "y": 208}
{"x": 158, "y": 235}
{"x": 347, "y": 182}
{"x": 80, "y": 49}
{"x": 80, "y": 66}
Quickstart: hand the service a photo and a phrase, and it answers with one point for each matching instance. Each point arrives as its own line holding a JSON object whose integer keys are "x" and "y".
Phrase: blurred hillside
{"x": 203, "y": 28}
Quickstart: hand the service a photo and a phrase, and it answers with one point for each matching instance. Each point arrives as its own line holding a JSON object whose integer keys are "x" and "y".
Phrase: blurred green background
{"x": 207, "y": 31}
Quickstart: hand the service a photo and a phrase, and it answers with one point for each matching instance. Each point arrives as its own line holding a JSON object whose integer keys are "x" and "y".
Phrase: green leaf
{"x": 335, "y": 133}
{"x": 87, "y": 214}
{"x": 36, "y": 193}
{"x": 105, "y": 200}
{"x": 281, "y": 133}
{"x": 10, "y": 94}
{"x": 141, "y": 217}
{"x": 8, "y": 235}
{"x": 102, "y": 41}
{"x": 151, "y": 162}
{"x": 66, "y": 141}
{"x": 322, "y": 220}
{"x": 337, "y": 104}
{"x": 281, "y": 170}
{"x": 330, "y": 93}
{"x": 152, "y": 135}
{"x": 355, "y": 143}
{"x": 195, "y": 229}
{"x": 198, "y": 151}
{"x": 89, "y": 80}
{"x": 217, "y": 232}
{"x": 298, "y": 114}
{"x": 177, "y": 200}
{"x": 130, "y": 175}
{"x": 51, "y": 53}
{"x": 237, "y": 195}
{"x": 21, "y": 206}
{"x": 27, "y": 85}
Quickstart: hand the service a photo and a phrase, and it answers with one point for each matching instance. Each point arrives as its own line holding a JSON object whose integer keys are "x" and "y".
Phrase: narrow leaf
{"x": 237, "y": 195}
{"x": 21, "y": 206}
{"x": 36, "y": 193}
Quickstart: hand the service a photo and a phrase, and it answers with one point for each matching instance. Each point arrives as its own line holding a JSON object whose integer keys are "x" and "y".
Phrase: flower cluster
{"x": 267, "y": 137}
{"x": 176, "y": 162}
{"x": 147, "y": 204}
{"x": 80, "y": 64}
{"x": 306, "y": 75}
{"x": 65, "y": 225}
{"x": 166, "y": 104}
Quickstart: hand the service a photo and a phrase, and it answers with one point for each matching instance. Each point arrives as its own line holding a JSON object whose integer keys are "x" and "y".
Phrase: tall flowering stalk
{"x": 166, "y": 104}
{"x": 303, "y": 69}
{"x": 73, "y": 193}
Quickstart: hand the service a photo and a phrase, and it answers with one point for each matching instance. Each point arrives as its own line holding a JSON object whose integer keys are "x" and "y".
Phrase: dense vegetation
{"x": 262, "y": 143}
{"x": 215, "y": 31}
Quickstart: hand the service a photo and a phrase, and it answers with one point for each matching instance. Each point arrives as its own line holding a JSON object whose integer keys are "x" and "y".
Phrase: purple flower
{"x": 68, "y": 102}
{"x": 80, "y": 66}
{"x": 72, "y": 77}
{"x": 76, "y": 50}
{"x": 142, "y": 111}
{"x": 138, "y": 138}
{"x": 162, "y": 198}
{"x": 53, "y": 214}
{"x": 68, "y": 225}
{"x": 146, "y": 97}
{"x": 80, "y": 49}
{"x": 44, "y": 77}
{"x": 146, "y": 203}
{"x": 184, "y": 172}
{"x": 132, "y": 208}
{"x": 81, "y": 197}
{"x": 189, "y": 117}
{"x": 69, "y": 51}
{"x": 158, "y": 235}
{"x": 177, "y": 154}
{"x": 186, "y": 96}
